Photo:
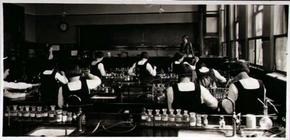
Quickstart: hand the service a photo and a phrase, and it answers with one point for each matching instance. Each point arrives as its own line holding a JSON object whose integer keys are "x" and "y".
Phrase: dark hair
{"x": 244, "y": 67}
{"x": 177, "y": 56}
{"x": 185, "y": 36}
{"x": 185, "y": 71}
{"x": 72, "y": 69}
{"x": 144, "y": 55}
{"x": 51, "y": 64}
{"x": 99, "y": 54}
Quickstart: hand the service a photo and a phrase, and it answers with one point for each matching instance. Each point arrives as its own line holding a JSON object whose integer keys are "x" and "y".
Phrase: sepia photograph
{"x": 178, "y": 70}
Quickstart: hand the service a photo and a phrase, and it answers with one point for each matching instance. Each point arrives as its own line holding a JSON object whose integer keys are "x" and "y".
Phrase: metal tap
{"x": 80, "y": 115}
{"x": 235, "y": 118}
{"x": 81, "y": 118}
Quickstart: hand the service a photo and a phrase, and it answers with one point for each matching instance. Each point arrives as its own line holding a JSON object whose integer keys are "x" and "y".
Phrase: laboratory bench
{"x": 122, "y": 106}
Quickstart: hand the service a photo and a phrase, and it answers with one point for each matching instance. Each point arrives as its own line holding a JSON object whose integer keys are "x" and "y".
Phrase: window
{"x": 211, "y": 24}
{"x": 280, "y": 38}
{"x": 258, "y": 18}
{"x": 224, "y": 49}
{"x": 259, "y": 52}
{"x": 256, "y": 51}
{"x": 252, "y": 45}
{"x": 255, "y": 42}
{"x": 281, "y": 53}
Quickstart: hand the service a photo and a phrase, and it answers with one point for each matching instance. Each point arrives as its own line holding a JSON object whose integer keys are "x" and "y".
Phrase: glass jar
{"x": 185, "y": 118}
{"x": 150, "y": 117}
{"x": 51, "y": 113}
{"x": 59, "y": 115}
{"x": 171, "y": 117}
{"x": 178, "y": 117}
{"x": 26, "y": 112}
{"x": 45, "y": 112}
{"x": 157, "y": 117}
{"x": 198, "y": 120}
{"x": 69, "y": 116}
{"x": 39, "y": 112}
{"x": 192, "y": 119}
{"x": 21, "y": 111}
{"x": 64, "y": 116}
{"x": 144, "y": 115}
{"x": 164, "y": 117}
{"x": 14, "y": 111}
{"x": 205, "y": 120}
{"x": 222, "y": 122}
{"x": 33, "y": 112}
{"x": 7, "y": 112}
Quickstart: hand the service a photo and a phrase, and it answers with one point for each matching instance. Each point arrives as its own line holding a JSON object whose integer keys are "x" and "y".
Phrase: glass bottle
{"x": 144, "y": 115}
{"x": 20, "y": 112}
{"x": 14, "y": 111}
{"x": 157, "y": 117}
{"x": 198, "y": 120}
{"x": 164, "y": 117}
{"x": 69, "y": 116}
{"x": 58, "y": 115}
{"x": 64, "y": 116}
{"x": 33, "y": 112}
{"x": 26, "y": 113}
{"x": 222, "y": 122}
{"x": 150, "y": 117}
{"x": 171, "y": 117}
{"x": 185, "y": 118}
{"x": 192, "y": 119}
{"x": 178, "y": 117}
{"x": 7, "y": 112}
{"x": 45, "y": 117}
{"x": 45, "y": 112}
{"x": 39, "y": 112}
{"x": 51, "y": 113}
{"x": 205, "y": 120}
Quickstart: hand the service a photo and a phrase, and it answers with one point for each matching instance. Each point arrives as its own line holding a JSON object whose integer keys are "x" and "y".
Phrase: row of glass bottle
{"x": 38, "y": 114}
{"x": 173, "y": 118}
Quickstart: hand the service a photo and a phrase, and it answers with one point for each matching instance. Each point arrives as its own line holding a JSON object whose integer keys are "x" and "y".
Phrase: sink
{"x": 215, "y": 132}
{"x": 252, "y": 133}
{"x": 202, "y": 133}
{"x": 52, "y": 131}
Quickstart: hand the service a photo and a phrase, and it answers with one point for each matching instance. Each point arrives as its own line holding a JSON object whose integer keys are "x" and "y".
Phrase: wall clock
{"x": 63, "y": 26}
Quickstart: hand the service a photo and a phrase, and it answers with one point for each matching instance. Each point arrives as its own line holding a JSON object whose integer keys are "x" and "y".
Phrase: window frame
{"x": 274, "y": 52}
{"x": 255, "y": 12}
{"x": 255, "y": 50}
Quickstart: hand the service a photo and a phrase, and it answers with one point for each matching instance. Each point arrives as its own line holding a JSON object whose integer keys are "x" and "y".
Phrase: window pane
{"x": 212, "y": 8}
{"x": 280, "y": 26}
{"x": 237, "y": 30}
{"x": 224, "y": 49}
{"x": 250, "y": 17}
{"x": 281, "y": 53}
{"x": 211, "y": 24}
{"x": 259, "y": 23}
{"x": 259, "y": 52}
{"x": 238, "y": 50}
{"x": 252, "y": 51}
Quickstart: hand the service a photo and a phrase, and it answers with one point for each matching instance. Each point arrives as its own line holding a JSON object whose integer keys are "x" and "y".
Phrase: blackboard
{"x": 100, "y": 37}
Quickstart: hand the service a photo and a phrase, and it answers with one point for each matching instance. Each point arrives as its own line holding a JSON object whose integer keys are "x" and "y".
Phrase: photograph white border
{"x": 153, "y": 2}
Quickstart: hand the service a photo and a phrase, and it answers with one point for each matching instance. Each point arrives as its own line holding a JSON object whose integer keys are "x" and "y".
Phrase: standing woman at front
{"x": 97, "y": 66}
{"x": 186, "y": 46}
{"x": 143, "y": 69}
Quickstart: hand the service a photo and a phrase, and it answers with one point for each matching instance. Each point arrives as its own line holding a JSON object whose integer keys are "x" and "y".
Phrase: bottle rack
{"x": 41, "y": 114}
{"x": 173, "y": 118}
